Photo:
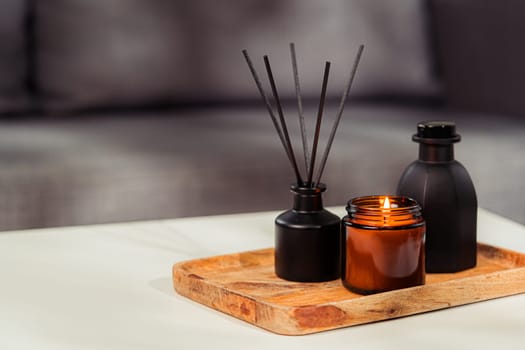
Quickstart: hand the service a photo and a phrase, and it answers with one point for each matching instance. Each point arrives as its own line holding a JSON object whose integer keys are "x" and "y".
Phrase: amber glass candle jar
{"x": 384, "y": 239}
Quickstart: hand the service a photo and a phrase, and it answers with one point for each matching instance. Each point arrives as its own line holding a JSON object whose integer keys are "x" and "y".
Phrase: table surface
{"x": 110, "y": 287}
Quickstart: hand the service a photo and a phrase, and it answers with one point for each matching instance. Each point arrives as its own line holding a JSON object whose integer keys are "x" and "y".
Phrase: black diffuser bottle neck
{"x": 436, "y": 153}
{"x": 436, "y": 141}
{"x": 307, "y": 199}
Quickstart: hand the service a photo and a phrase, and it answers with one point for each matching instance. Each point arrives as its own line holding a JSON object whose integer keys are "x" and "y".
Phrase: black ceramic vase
{"x": 446, "y": 194}
{"x": 308, "y": 239}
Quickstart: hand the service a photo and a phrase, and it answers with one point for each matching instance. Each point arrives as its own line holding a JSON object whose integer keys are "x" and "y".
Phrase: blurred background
{"x": 121, "y": 110}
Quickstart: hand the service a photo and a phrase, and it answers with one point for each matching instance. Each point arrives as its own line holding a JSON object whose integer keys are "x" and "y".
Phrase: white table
{"x": 109, "y": 287}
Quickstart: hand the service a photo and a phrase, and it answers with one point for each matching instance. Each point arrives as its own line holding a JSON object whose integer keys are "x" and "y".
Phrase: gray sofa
{"x": 118, "y": 110}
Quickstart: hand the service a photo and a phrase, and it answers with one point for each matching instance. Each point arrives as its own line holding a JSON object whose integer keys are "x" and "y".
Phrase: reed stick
{"x": 318, "y": 124}
{"x": 270, "y": 110}
{"x": 339, "y": 114}
{"x": 283, "y": 121}
{"x": 306, "y": 152}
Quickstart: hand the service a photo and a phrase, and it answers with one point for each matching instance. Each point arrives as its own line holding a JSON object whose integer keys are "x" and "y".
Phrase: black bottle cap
{"x": 436, "y": 132}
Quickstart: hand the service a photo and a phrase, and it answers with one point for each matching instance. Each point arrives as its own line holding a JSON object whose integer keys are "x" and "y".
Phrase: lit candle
{"x": 384, "y": 244}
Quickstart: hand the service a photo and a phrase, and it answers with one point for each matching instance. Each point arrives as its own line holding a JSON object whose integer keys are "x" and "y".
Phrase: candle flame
{"x": 386, "y": 204}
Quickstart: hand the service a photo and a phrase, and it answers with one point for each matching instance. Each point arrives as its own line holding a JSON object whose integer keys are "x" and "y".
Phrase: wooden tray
{"x": 244, "y": 285}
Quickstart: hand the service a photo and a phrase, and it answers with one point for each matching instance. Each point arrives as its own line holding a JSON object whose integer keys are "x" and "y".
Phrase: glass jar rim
{"x": 372, "y": 204}
{"x": 368, "y": 212}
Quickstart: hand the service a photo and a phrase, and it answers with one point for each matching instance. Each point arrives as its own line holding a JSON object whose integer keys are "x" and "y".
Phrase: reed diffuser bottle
{"x": 307, "y": 237}
{"x": 446, "y": 194}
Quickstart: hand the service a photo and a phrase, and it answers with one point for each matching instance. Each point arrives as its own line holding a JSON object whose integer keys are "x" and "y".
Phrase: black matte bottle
{"x": 446, "y": 194}
{"x": 308, "y": 239}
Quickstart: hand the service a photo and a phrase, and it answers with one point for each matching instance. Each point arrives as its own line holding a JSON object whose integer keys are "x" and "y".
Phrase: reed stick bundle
{"x": 281, "y": 127}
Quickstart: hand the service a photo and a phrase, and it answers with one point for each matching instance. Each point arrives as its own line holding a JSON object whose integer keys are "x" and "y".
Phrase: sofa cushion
{"x": 12, "y": 55}
{"x": 481, "y": 52}
{"x": 100, "y": 53}
{"x": 132, "y": 166}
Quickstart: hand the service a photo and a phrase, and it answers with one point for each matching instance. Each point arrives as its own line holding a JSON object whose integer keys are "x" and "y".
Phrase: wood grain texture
{"x": 244, "y": 285}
